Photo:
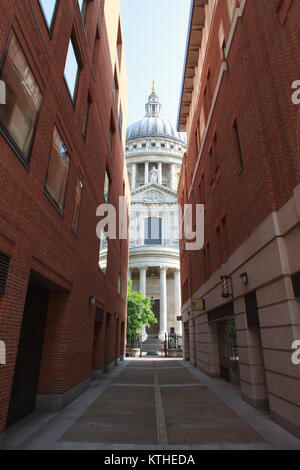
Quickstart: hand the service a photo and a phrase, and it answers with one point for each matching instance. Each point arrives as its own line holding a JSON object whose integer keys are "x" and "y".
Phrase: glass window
{"x": 153, "y": 231}
{"x": 23, "y": 98}
{"x": 57, "y": 174}
{"x": 106, "y": 187}
{"x": 103, "y": 258}
{"x": 83, "y": 8}
{"x": 71, "y": 70}
{"x": 78, "y": 195}
{"x": 48, "y": 9}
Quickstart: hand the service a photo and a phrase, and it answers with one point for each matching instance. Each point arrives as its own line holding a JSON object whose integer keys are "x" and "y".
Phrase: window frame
{"x": 46, "y": 190}
{"x": 3, "y": 131}
{"x": 112, "y": 134}
{"x": 84, "y": 3}
{"x": 120, "y": 121}
{"x": 102, "y": 237}
{"x": 50, "y": 27}
{"x": 151, "y": 241}
{"x": 73, "y": 40}
{"x": 237, "y": 137}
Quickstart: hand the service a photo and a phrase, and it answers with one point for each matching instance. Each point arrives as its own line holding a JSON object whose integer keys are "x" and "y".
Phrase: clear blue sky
{"x": 155, "y": 35}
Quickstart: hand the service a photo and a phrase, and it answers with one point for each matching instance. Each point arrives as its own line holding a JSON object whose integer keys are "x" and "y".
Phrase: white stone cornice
{"x": 156, "y": 186}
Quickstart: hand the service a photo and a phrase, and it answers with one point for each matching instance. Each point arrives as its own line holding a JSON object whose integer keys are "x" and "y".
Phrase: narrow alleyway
{"x": 152, "y": 404}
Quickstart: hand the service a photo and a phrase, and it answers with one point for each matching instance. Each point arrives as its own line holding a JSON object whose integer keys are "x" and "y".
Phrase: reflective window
{"x": 58, "y": 169}
{"x": 71, "y": 70}
{"x": 103, "y": 258}
{"x": 106, "y": 187}
{"x": 153, "y": 231}
{"x": 18, "y": 117}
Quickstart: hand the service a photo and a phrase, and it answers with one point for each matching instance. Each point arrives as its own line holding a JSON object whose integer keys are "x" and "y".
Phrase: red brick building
{"x": 243, "y": 163}
{"x": 62, "y": 131}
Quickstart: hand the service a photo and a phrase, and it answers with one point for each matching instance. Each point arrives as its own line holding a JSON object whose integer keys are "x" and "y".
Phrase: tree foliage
{"x": 139, "y": 312}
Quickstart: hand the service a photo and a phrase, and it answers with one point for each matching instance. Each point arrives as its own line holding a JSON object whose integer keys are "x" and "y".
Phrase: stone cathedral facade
{"x": 154, "y": 152}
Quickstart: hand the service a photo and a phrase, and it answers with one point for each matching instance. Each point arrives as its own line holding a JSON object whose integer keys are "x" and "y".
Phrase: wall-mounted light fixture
{"x": 244, "y": 278}
{"x": 92, "y": 300}
{"x": 116, "y": 316}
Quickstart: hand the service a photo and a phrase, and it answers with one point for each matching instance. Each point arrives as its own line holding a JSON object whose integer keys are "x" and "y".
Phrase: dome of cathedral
{"x": 153, "y": 124}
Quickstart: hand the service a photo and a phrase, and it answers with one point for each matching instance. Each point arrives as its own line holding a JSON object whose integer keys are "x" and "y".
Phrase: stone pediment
{"x": 154, "y": 194}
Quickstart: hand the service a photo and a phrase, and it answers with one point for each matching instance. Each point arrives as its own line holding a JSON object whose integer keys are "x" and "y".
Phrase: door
{"x": 27, "y": 367}
{"x": 228, "y": 351}
{"x": 224, "y": 350}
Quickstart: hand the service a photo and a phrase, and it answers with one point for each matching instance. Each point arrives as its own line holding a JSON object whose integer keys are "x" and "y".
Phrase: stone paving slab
{"x": 197, "y": 416}
{"x": 178, "y": 376}
{"x": 208, "y": 414}
{"x": 119, "y": 415}
{"x": 133, "y": 376}
{"x": 158, "y": 363}
{"x": 168, "y": 363}
{"x": 144, "y": 363}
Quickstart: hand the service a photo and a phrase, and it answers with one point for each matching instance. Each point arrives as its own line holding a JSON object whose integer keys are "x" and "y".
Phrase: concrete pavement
{"x": 152, "y": 404}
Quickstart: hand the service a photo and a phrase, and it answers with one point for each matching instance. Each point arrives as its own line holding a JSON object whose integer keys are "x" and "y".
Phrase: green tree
{"x": 139, "y": 313}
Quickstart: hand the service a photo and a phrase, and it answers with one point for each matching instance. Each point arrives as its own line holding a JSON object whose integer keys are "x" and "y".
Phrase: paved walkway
{"x": 152, "y": 404}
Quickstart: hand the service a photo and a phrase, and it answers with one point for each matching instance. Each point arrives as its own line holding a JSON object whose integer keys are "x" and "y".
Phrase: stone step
{"x": 151, "y": 348}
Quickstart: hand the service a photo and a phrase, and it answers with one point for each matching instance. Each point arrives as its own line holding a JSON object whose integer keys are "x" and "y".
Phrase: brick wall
{"x": 256, "y": 94}
{"x": 32, "y": 231}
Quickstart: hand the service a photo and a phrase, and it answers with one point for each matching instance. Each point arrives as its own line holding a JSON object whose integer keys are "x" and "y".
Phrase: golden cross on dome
{"x": 153, "y": 87}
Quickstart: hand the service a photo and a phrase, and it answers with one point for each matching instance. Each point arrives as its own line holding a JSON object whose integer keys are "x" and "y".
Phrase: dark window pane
{"x": 57, "y": 174}
{"x": 23, "y": 97}
{"x": 153, "y": 231}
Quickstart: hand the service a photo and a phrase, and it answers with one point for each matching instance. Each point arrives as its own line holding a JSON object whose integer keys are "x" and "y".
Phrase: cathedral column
{"x": 160, "y": 173}
{"x": 143, "y": 273}
{"x": 133, "y": 176}
{"x": 163, "y": 303}
{"x": 143, "y": 289}
{"x": 172, "y": 169}
{"x": 146, "y": 173}
{"x": 178, "y": 328}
